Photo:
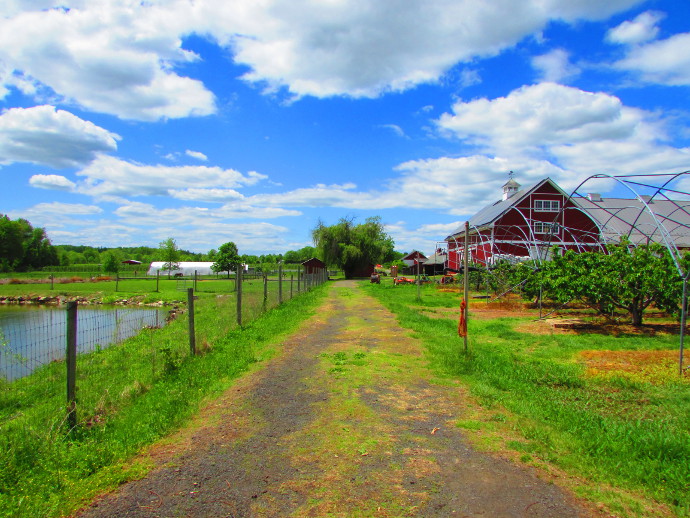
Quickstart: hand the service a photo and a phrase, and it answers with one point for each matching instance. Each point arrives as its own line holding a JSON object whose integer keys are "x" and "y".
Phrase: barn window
{"x": 547, "y": 205}
{"x": 541, "y": 227}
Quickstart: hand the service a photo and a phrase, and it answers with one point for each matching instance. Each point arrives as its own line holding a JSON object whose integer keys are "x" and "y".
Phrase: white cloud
{"x": 119, "y": 56}
{"x": 111, "y": 57}
{"x": 362, "y": 50}
{"x": 565, "y": 133}
{"x": 198, "y": 226}
{"x": 664, "y": 62}
{"x": 642, "y": 28}
{"x": 44, "y": 210}
{"x": 109, "y": 176}
{"x": 320, "y": 195}
{"x": 212, "y": 195}
{"x": 47, "y": 136}
{"x": 555, "y": 66}
{"x": 196, "y": 154}
{"x": 394, "y": 128}
{"x": 52, "y": 181}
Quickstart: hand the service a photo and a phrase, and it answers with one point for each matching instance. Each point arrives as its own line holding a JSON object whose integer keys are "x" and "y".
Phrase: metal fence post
{"x": 71, "y": 361}
{"x": 292, "y": 281}
{"x": 190, "y": 311}
{"x": 299, "y": 280}
{"x": 239, "y": 295}
{"x": 158, "y": 278}
{"x": 465, "y": 273}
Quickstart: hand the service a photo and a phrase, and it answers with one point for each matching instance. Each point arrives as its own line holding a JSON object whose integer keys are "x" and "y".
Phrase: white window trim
{"x": 547, "y": 205}
{"x": 544, "y": 227}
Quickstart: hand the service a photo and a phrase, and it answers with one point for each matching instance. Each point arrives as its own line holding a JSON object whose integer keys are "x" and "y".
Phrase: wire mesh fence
{"x": 34, "y": 336}
{"x": 120, "y": 351}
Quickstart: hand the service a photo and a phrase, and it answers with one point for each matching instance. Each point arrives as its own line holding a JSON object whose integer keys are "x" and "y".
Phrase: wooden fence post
{"x": 280, "y": 284}
{"x": 117, "y": 282}
{"x": 239, "y": 295}
{"x": 265, "y": 290}
{"x": 158, "y": 278}
{"x": 71, "y": 361}
{"x": 190, "y": 311}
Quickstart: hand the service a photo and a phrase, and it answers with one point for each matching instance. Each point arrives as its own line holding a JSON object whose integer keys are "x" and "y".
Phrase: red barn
{"x": 524, "y": 225}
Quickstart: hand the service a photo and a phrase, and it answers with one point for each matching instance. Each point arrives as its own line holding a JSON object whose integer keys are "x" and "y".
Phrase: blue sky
{"x": 124, "y": 123}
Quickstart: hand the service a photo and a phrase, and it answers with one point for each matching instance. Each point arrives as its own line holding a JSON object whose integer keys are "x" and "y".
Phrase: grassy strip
{"x": 617, "y": 430}
{"x": 129, "y": 397}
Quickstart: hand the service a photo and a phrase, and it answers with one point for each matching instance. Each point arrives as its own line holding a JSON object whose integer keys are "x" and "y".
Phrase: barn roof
{"x": 660, "y": 220}
{"x": 318, "y": 263}
{"x": 492, "y": 212}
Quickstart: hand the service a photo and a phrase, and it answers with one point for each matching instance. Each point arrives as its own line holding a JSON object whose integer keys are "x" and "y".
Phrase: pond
{"x": 31, "y": 336}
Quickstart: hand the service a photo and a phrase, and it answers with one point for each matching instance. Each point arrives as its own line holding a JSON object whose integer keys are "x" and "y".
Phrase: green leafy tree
{"x": 23, "y": 247}
{"x": 353, "y": 247}
{"x": 299, "y": 256}
{"x": 226, "y": 259}
{"x": 111, "y": 263}
{"x": 170, "y": 255}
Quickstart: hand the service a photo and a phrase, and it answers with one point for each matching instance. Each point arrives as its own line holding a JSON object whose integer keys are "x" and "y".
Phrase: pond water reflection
{"x": 31, "y": 336}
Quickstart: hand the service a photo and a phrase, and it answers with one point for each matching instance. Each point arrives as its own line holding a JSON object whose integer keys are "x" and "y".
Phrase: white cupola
{"x": 510, "y": 187}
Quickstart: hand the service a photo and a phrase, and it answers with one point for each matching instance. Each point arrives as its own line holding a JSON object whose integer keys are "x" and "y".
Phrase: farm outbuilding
{"x": 186, "y": 268}
{"x": 313, "y": 266}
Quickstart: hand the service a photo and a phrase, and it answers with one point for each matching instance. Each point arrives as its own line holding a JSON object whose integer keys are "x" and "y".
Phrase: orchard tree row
{"x": 627, "y": 278}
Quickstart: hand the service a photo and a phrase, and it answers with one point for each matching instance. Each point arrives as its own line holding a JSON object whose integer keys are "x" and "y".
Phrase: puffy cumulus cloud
{"x": 119, "y": 56}
{"x": 109, "y": 176}
{"x": 642, "y": 28}
{"x": 664, "y": 62}
{"x": 111, "y": 57}
{"x": 555, "y": 66}
{"x": 575, "y": 131}
{"x": 462, "y": 185}
{"x": 52, "y": 181}
{"x": 365, "y": 48}
{"x": 47, "y": 136}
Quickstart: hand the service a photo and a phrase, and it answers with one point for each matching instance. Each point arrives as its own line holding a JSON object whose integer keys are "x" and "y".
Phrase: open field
{"x": 606, "y": 408}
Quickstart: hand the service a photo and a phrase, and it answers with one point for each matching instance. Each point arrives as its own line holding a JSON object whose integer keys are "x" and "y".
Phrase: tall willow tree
{"x": 351, "y": 247}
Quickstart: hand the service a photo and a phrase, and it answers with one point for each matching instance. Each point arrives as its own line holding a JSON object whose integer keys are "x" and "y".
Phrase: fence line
{"x": 53, "y": 335}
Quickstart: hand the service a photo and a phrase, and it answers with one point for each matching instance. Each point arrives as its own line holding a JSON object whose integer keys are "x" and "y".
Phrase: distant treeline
{"x": 25, "y": 248}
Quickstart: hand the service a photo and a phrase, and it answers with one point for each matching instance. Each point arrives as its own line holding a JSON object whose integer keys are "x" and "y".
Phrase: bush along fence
{"x": 79, "y": 335}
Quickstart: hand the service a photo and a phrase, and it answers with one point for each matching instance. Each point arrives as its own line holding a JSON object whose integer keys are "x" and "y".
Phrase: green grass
{"x": 617, "y": 430}
{"x": 129, "y": 396}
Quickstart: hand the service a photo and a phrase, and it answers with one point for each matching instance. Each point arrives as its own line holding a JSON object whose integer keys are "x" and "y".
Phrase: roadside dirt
{"x": 345, "y": 420}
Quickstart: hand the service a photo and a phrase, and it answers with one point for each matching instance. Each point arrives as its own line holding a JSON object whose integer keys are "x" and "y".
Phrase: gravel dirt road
{"x": 344, "y": 420}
